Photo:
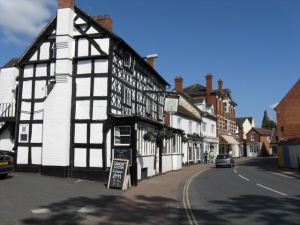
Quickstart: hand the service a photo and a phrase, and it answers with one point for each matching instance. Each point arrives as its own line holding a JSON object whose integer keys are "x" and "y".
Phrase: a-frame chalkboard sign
{"x": 118, "y": 177}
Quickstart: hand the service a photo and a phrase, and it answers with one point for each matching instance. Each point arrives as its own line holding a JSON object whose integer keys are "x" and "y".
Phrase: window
{"x": 198, "y": 128}
{"x": 203, "y": 127}
{"x": 253, "y": 137}
{"x": 24, "y": 133}
{"x": 225, "y": 106}
{"x": 190, "y": 127}
{"x": 122, "y": 135}
{"x": 179, "y": 125}
{"x": 148, "y": 106}
{"x": 127, "y": 95}
{"x": 212, "y": 129}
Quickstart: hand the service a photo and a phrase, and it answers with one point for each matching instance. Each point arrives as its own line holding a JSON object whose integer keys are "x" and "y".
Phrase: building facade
{"x": 84, "y": 97}
{"x": 219, "y": 103}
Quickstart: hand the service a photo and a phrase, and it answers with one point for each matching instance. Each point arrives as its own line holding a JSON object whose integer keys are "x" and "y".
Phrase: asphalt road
{"x": 30, "y": 198}
{"x": 246, "y": 194}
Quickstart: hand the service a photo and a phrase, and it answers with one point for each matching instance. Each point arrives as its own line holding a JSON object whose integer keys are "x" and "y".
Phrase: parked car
{"x": 224, "y": 160}
{"x": 6, "y": 164}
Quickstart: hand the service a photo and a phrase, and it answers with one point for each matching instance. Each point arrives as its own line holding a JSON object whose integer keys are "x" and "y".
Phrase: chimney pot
{"x": 105, "y": 21}
{"x": 66, "y": 4}
{"x": 179, "y": 83}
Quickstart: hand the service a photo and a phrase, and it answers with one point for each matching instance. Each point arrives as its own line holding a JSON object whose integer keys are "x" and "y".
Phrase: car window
{"x": 222, "y": 157}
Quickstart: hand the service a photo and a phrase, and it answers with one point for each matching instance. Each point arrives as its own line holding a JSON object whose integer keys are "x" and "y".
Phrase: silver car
{"x": 224, "y": 160}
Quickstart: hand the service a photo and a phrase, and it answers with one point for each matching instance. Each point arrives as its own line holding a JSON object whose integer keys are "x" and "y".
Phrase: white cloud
{"x": 274, "y": 105}
{"x": 24, "y": 17}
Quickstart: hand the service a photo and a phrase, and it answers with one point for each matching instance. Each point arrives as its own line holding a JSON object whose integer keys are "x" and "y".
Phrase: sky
{"x": 253, "y": 46}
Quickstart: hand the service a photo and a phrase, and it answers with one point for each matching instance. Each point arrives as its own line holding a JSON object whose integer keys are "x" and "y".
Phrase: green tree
{"x": 267, "y": 123}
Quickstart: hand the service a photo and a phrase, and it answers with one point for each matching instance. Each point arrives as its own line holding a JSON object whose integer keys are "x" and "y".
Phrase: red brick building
{"x": 258, "y": 142}
{"x": 287, "y": 113}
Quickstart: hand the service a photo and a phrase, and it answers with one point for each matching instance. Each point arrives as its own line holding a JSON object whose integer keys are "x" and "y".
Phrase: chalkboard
{"x": 118, "y": 173}
{"x": 123, "y": 153}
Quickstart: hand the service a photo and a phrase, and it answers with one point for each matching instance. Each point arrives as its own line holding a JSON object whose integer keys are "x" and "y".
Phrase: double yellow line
{"x": 186, "y": 202}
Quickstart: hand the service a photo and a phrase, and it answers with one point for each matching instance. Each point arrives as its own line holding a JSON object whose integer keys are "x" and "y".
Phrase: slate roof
{"x": 262, "y": 131}
{"x": 11, "y": 63}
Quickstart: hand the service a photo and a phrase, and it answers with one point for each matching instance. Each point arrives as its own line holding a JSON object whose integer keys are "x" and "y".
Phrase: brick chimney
{"x": 66, "y": 4}
{"x": 105, "y": 21}
{"x": 209, "y": 88}
{"x": 179, "y": 83}
{"x": 151, "y": 59}
{"x": 220, "y": 85}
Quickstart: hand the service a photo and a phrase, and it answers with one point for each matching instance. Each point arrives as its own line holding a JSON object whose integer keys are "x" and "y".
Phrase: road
{"x": 30, "y": 198}
{"x": 247, "y": 194}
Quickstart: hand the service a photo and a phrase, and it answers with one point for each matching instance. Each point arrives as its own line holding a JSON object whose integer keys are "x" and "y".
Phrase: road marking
{"x": 89, "y": 209}
{"x": 40, "y": 211}
{"x": 271, "y": 189}
{"x": 186, "y": 202}
{"x": 244, "y": 177}
{"x": 283, "y": 175}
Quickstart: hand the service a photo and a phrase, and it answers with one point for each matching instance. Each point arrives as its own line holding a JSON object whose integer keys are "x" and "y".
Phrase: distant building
{"x": 220, "y": 103}
{"x": 258, "y": 142}
{"x": 243, "y": 126}
{"x": 287, "y": 113}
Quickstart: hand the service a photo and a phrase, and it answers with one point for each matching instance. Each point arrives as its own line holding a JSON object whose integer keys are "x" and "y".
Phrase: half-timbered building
{"x": 84, "y": 97}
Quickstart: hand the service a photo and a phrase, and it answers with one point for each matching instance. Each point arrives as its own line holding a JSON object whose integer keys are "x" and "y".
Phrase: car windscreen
{"x": 222, "y": 156}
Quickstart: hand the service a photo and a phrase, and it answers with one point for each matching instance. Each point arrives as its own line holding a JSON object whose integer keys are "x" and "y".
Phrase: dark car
{"x": 6, "y": 164}
{"x": 224, "y": 160}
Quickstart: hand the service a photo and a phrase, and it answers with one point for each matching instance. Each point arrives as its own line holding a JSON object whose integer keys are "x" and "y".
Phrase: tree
{"x": 267, "y": 123}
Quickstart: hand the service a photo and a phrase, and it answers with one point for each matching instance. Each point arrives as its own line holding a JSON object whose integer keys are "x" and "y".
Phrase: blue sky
{"x": 252, "y": 45}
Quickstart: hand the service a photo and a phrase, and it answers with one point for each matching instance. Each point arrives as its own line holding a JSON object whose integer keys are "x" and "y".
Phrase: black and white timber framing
{"x": 81, "y": 97}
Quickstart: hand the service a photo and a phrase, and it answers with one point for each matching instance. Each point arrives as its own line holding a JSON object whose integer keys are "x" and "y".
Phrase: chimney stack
{"x": 220, "y": 85}
{"x": 151, "y": 59}
{"x": 105, "y": 21}
{"x": 209, "y": 88}
{"x": 179, "y": 83}
{"x": 66, "y": 4}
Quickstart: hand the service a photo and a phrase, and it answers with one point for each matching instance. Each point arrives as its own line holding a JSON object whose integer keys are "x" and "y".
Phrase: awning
{"x": 229, "y": 139}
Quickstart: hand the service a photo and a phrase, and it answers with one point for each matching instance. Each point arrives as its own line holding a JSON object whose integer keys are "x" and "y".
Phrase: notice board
{"x": 123, "y": 153}
{"x": 118, "y": 174}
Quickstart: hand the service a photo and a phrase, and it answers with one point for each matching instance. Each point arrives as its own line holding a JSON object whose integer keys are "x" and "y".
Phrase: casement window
{"x": 160, "y": 113}
{"x": 253, "y": 137}
{"x": 23, "y": 133}
{"x": 122, "y": 135}
{"x": 127, "y": 95}
{"x": 212, "y": 129}
{"x": 225, "y": 106}
{"x": 148, "y": 106}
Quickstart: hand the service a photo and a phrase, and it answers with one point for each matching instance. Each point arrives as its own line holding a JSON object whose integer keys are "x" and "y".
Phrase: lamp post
{"x": 150, "y": 60}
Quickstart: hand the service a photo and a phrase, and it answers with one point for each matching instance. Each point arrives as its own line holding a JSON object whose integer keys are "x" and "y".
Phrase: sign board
{"x": 118, "y": 174}
{"x": 171, "y": 104}
{"x": 123, "y": 153}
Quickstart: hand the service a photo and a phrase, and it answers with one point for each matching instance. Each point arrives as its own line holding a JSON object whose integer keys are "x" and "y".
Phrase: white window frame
{"x": 121, "y": 135}
{"x": 179, "y": 123}
{"x": 253, "y": 136}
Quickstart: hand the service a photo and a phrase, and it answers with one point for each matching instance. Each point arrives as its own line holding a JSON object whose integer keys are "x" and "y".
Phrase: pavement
{"x": 154, "y": 200}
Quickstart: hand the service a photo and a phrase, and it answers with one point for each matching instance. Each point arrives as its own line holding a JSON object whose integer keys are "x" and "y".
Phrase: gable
{"x": 292, "y": 95}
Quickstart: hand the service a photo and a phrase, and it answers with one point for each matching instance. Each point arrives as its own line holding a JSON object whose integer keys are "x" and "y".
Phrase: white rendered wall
{"x": 57, "y": 106}
{"x": 7, "y": 84}
{"x": 145, "y": 162}
{"x": 6, "y": 143}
